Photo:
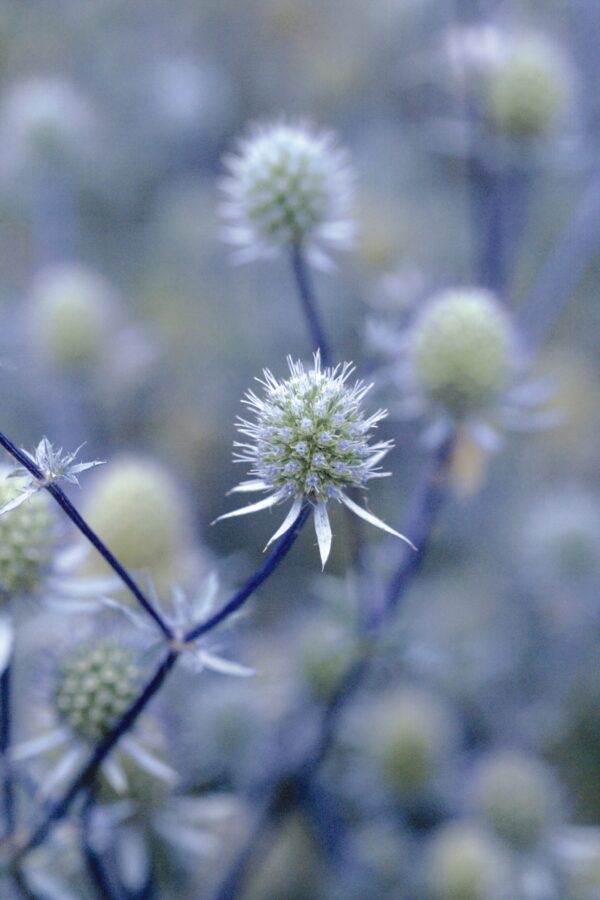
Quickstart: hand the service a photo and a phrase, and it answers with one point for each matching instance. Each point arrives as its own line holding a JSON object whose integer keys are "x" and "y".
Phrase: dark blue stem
{"x": 5, "y": 739}
{"x": 309, "y": 305}
{"x": 270, "y": 564}
{"x": 67, "y": 507}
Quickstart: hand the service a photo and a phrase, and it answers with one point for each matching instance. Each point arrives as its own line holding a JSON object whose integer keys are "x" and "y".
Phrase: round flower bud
{"x": 70, "y": 315}
{"x": 27, "y": 539}
{"x": 139, "y": 511}
{"x": 410, "y": 734}
{"x": 463, "y": 863}
{"x": 462, "y": 351}
{"x": 287, "y": 184}
{"x": 517, "y": 796}
{"x": 528, "y": 90}
{"x": 325, "y": 657}
{"x": 96, "y": 684}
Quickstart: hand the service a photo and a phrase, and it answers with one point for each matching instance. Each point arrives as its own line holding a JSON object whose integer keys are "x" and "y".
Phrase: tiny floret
{"x": 288, "y": 184}
{"x": 310, "y": 442}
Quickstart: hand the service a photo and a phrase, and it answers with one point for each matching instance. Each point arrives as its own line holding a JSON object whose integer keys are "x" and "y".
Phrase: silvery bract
{"x": 310, "y": 443}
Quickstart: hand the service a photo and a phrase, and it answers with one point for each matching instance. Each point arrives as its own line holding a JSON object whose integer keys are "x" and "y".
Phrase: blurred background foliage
{"x": 125, "y": 326}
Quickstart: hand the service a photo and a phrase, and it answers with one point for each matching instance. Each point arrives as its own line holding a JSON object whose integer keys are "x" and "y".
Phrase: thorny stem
{"x": 309, "y": 305}
{"x": 78, "y": 520}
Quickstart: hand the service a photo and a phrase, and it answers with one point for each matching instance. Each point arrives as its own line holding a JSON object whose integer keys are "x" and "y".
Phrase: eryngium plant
{"x": 310, "y": 442}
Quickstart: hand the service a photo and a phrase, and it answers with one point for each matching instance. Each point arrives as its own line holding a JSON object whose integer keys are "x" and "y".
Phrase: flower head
{"x": 94, "y": 684}
{"x": 288, "y": 184}
{"x": 28, "y": 539}
{"x": 310, "y": 443}
{"x": 459, "y": 362}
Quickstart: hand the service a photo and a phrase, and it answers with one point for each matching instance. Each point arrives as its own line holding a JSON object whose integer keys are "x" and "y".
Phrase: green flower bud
{"x": 27, "y": 539}
{"x": 139, "y": 511}
{"x": 517, "y": 797}
{"x": 463, "y": 863}
{"x": 461, "y": 351}
{"x": 71, "y": 311}
{"x": 528, "y": 91}
{"x": 96, "y": 685}
{"x": 324, "y": 659}
{"x": 411, "y": 734}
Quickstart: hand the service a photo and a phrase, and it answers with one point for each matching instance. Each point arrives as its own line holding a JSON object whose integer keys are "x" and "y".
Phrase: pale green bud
{"x": 70, "y": 314}
{"x": 463, "y": 863}
{"x": 528, "y": 92}
{"x": 139, "y": 511}
{"x": 462, "y": 351}
{"x": 410, "y": 733}
{"x": 517, "y": 796}
{"x": 27, "y": 539}
{"x": 96, "y": 684}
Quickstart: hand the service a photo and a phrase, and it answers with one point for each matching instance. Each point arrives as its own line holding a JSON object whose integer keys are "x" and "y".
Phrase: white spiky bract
{"x": 288, "y": 184}
{"x": 310, "y": 443}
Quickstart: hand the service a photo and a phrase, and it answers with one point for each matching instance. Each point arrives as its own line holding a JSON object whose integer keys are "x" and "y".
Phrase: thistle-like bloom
{"x": 288, "y": 184}
{"x": 310, "y": 443}
{"x": 95, "y": 685}
{"x": 53, "y": 465}
{"x": 459, "y": 362}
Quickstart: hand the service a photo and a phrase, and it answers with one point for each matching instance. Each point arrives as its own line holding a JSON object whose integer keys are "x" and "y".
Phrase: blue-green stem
{"x": 8, "y": 798}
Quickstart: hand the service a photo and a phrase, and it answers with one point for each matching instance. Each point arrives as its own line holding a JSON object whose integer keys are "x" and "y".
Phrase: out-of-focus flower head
{"x": 517, "y": 796}
{"x": 71, "y": 312}
{"x": 310, "y": 443}
{"x": 458, "y": 362}
{"x": 45, "y": 120}
{"x": 94, "y": 684}
{"x": 464, "y": 862}
{"x": 288, "y": 184}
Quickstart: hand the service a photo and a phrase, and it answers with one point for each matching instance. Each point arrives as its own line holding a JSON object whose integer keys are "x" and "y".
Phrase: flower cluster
{"x": 310, "y": 442}
{"x": 287, "y": 185}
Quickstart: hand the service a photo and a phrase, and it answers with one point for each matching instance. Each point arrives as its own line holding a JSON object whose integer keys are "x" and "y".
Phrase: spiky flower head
{"x": 310, "y": 443}
{"x": 461, "y": 350}
{"x": 96, "y": 684}
{"x": 27, "y": 539}
{"x": 288, "y": 184}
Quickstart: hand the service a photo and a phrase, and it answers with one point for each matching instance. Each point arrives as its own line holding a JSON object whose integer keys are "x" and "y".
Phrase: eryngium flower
{"x": 310, "y": 443}
{"x": 288, "y": 184}
{"x": 459, "y": 362}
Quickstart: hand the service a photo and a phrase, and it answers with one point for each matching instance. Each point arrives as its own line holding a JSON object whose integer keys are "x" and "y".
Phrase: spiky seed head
{"x": 517, "y": 796}
{"x": 310, "y": 437}
{"x": 28, "y": 538}
{"x": 138, "y": 509}
{"x": 528, "y": 91}
{"x": 70, "y": 313}
{"x": 96, "y": 684}
{"x": 463, "y": 863}
{"x": 462, "y": 351}
{"x": 287, "y": 184}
